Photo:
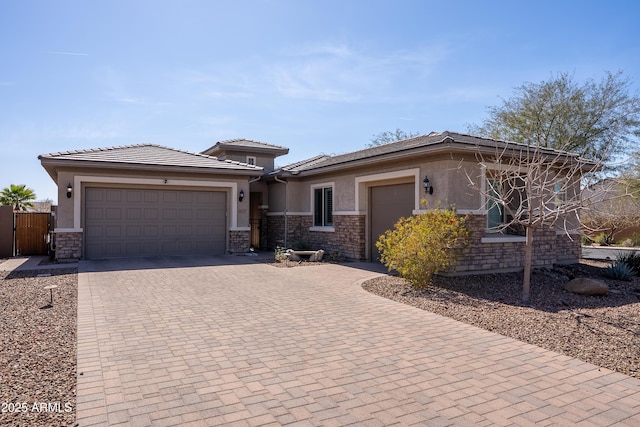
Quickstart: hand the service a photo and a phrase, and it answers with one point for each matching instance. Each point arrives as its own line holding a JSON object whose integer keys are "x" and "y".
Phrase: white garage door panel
{"x": 134, "y": 222}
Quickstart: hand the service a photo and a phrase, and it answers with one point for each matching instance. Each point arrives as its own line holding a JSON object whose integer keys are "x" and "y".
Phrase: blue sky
{"x": 314, "y": 76}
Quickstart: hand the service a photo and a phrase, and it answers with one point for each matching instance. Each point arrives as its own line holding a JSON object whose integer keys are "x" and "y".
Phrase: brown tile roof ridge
{"x": 401, "y": 145}
{"x": 97, "y": 149}
{"x": 234, "y": 140}
{"x": 62, "y": 154}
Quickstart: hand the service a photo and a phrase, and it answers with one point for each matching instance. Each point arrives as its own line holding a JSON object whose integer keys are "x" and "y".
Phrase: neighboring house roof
{"x": 247, "y": 145}
{"x": 40, "y": 207}
{"x": 145, "y": 156}
{"x": 429, "y": 142}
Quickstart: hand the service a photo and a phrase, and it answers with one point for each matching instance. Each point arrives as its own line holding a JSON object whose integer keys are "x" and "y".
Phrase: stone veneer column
{"x": 68, "y": 245}
{"x": 239, "y": 241}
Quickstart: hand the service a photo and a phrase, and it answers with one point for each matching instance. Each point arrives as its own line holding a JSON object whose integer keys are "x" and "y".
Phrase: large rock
{"x": 586, "y": 286}
{"x": 317, "y": 256}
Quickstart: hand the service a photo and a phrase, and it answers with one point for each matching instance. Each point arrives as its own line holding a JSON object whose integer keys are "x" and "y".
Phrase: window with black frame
{"x": 323, "y": 207}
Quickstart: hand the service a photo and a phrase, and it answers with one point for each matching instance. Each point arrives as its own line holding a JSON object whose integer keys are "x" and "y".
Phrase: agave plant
{"x": 619, "y": 271}
{"x": 632, "y": 259}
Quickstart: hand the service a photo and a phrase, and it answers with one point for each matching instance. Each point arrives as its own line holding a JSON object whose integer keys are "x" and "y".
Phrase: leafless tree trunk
{"x": 532, "y": 187}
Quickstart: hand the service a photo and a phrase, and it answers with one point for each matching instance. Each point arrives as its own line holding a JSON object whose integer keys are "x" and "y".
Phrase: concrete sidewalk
{"x": 32, "y": 263}
{"x": 222, "y": 341}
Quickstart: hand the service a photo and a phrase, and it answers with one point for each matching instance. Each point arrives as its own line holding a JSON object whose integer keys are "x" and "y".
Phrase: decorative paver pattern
{"x": 227, "y": 341}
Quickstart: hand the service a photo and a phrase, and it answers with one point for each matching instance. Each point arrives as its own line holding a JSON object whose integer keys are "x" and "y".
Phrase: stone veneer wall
{"x": 68, "y": 245}
{"x": 239, "y": 241}
{"x": 548, "y": 248}
{"x": 348, "y": 238}
{"x": 568, "y": 248}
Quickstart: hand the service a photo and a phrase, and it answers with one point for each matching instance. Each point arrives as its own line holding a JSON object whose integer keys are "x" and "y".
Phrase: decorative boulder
{"x": 317, "y": 256}
{"x": 292, "y": 255}
{"x": 585, "y": 286}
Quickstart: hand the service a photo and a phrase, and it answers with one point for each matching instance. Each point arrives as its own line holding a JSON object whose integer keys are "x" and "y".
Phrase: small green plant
{"x": 586, "y": 240}
{"x": 619, "y": 271}
{"x": 631, "y": 259}
{"x": 335, "y": 256}
{"x": 635, "y": 239}
{"x": 603, "y": 239}
{"x": 280, "y": 254}
{"x": 422, "y": 245}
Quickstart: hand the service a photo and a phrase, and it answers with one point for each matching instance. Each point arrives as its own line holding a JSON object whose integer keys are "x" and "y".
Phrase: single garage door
{"x": 122, "y": 222}
{"x": 388, "y": 203}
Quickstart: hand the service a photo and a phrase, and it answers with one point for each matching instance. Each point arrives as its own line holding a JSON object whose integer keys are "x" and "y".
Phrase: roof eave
{"x": 56, "y": 163}
{"x": 276, "y": 152}
{"x": 445, "y": 145}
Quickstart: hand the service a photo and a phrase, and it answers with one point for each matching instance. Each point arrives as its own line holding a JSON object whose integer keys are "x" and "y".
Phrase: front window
{"x": 505, "y": 201}
{"x": 495, "y": 211}
{"x": 323, "y": 207}
{"x": 560, "y": 194}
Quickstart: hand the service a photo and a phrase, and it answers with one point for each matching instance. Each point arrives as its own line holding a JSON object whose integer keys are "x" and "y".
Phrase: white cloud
{"x": 28, "y": 135}
{"x": 325, "y": 72}
{"x": 338, "y": 73}
{"x": 115, "y": 86}
{"x": 222, "y": 94}
{"x": 55, "y": 52}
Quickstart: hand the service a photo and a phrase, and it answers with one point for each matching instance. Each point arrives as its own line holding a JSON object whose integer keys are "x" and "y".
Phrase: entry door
{"x": 388, "y": 204}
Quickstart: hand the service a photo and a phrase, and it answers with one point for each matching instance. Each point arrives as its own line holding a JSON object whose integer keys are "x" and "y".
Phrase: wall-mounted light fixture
{"x": 241, "y": 196}
{"x": 69, "y": 190}
{"x": 428, "y": 189}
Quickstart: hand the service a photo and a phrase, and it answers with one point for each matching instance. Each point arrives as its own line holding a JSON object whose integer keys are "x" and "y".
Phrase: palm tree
{"x": 18, "y": 196}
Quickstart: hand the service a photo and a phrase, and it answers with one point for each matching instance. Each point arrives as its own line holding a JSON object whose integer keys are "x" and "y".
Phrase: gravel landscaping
{"x": 604, "y": 330}
{"x": 38, "y": 348}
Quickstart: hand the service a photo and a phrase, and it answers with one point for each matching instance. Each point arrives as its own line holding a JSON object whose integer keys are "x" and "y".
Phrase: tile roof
{"x": 148, "y": 155}
{"x": 397, "y": 147}
{"x": 242, "y": 144}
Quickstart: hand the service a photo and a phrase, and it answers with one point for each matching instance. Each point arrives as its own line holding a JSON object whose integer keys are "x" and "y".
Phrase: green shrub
{"x": 626, "y": 243}
{"x": 280, "y": 254}
{"x": 631, "y": 259}
{"x": 335, "y": 256}
{"x": 424, "y": 244}
{"x": 619, "y": 271}
{"x": 586, "y": 240}
{"x": 603, "y": 239}
{"x": 635, "y": 239}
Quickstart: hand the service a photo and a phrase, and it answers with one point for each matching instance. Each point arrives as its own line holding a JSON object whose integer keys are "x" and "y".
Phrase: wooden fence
{"x": 23, "y": 233}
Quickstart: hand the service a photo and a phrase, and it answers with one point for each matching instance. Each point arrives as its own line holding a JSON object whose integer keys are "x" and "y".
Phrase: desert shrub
{"x": 635, "y": 239}
{"x": 619, "y": 271}
{"x": 586, "y": 240}
{"x": 603, "y": 239}
{"x": 335, "y": 256}
{"x": 631, "y": 259}
{"x": 422, "y": 245}
{"x": 280, "y": 254}
{"x": 626, "y": 243}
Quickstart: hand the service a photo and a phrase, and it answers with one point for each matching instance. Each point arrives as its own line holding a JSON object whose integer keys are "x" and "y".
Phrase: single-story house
{"x": 144, "y": 200}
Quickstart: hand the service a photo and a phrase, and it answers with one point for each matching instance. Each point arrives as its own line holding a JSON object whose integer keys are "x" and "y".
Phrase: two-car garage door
{"x": 126, "y": 222}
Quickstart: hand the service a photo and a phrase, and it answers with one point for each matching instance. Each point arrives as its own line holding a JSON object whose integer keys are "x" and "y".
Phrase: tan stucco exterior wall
{"x": 267, "y": 162}
{"x": 447, "y": 175}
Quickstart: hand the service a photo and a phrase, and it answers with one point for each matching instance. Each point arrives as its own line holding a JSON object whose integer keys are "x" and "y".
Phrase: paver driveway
{"x": 228, "y": 341}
